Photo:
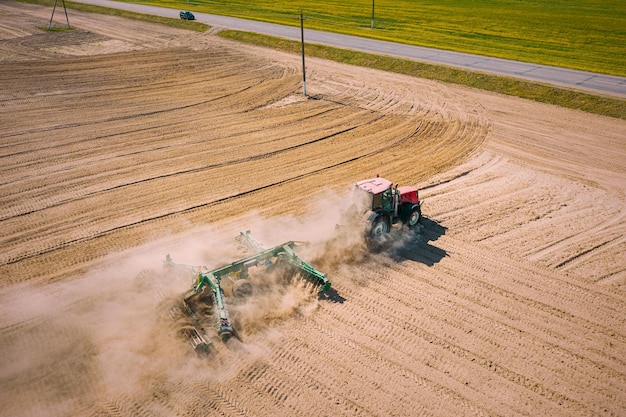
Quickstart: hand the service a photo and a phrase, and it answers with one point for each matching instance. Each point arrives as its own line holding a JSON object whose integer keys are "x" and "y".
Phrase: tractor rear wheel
{"x": 414, "y": 217}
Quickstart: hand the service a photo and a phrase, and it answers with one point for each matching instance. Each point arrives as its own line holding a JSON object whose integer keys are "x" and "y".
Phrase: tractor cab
{"x": 373, "y": 194}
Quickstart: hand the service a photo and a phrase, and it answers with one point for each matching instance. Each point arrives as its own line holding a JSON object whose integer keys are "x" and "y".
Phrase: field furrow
{"x": 123, "y": 141}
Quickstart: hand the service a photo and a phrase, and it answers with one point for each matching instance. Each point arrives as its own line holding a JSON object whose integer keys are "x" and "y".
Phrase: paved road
{"x": 581, "y": 80}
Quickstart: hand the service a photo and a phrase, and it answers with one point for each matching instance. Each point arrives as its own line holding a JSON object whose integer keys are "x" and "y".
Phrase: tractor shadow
{"x": 406, "y": 245}
{"x": 417, "y": 246}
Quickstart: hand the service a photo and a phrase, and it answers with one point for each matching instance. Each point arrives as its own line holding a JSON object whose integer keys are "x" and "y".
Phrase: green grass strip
{"x": 606, "y": 106}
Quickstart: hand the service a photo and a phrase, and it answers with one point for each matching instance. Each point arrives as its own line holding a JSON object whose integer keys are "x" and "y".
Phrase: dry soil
{"x": 123, "y": 141}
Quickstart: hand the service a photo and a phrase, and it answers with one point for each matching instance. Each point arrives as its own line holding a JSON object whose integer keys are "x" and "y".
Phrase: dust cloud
{"x": 101, "y": 335}
{"x": 71, "y": 342}
{"x": 327, "y": 234}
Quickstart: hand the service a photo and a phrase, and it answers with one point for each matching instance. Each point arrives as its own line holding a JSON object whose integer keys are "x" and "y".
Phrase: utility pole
{"x": 302, "y": 39}
{"x": 372, "y": 14}
{"x": 64, "y": 8}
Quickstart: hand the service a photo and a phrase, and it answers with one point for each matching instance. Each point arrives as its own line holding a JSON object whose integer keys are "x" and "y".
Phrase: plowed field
{"x": 122, "y": 141}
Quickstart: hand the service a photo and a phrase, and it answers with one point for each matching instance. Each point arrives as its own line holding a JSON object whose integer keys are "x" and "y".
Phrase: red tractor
{"x": 384, "y": 205}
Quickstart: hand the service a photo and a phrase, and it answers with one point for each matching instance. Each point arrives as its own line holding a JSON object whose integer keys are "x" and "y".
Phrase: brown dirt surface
{"x": 123, "y": 141}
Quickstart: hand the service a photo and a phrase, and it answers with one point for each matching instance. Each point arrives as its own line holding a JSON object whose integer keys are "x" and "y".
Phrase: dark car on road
{"x": 187, "y": 15}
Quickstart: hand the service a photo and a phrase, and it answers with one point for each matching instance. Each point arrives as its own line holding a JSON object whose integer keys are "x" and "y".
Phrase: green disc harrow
{"x": 205, "y": 280}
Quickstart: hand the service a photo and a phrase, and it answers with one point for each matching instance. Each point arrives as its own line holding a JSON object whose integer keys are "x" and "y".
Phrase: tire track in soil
{"x": 255, "y": 157}
{"x": 58, "y": 149}
{"x": 137, "y": 90}
{"x": 532, "y": 218}
{"x": 514, "y": 333}
{"x": 390, "y": 300}
{"x": 13, "y": 259}
{"x": 277, "y": 388}
{"x": 379, "y": 362}
{"x": 308, "y": 376}
{"x": 602, "y": 302}
{"x": 196, "y": 398}
{"x": 431, "y": 365}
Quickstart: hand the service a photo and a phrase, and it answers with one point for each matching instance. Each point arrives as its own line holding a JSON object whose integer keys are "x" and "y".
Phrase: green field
{"x": 588, "y": 35}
